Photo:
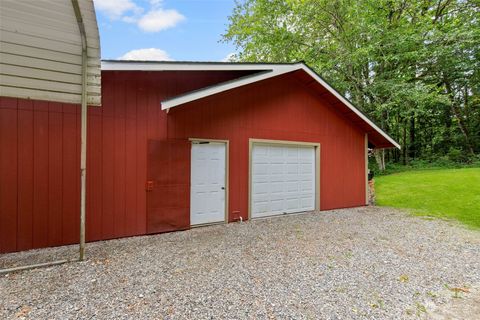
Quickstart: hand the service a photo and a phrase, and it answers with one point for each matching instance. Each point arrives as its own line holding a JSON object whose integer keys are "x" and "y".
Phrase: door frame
{"x": 227, "y": 178}
{"x": 252, "y": 142}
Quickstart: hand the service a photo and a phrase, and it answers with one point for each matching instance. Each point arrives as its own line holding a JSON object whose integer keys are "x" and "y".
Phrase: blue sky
{"x": 185, "y": 30}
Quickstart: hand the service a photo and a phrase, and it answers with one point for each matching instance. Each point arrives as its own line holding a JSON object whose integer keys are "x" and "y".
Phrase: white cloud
{"x": 159, "y": 19}
{"x": 155, "y": 19}
{"x": 115, "y": 9}
{"x": 147, "y": 54}
{"x": 156, "y": 3}
{"x": 230, "y": 57}
{"x": 129, "y": 19}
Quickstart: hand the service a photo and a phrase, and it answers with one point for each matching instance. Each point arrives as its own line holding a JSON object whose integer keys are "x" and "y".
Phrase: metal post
{"x": 83, "y": 159}
{"x": 83, "y": 139}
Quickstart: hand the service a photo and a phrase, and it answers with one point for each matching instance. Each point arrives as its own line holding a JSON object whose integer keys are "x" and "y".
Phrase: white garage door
{"x": 283, "y": 179}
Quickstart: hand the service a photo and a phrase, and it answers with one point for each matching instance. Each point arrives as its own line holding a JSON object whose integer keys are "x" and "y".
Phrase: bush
{"x": 454, "y": 159}
{"x": 456, "y": 155}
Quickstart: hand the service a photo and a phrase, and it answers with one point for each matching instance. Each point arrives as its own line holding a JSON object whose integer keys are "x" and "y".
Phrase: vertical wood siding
{"x": 39, "y": 158}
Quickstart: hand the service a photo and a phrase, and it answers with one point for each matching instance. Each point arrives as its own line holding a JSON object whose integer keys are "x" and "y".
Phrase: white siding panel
{"x": 29, "y": 51}
{"x": 42, "y": 43}
{"x": 38, "y": 94}
{"x": 18, "y": 60}
{"x": 40, "y": 51}
{"x": 27, "y": 72}
{"x": 42, "y": 74}
{"x": 29, "y": 28}
{"x": 46, "y": 95}
{"x": 22, "y": 82}
{"x": 43, "y": 11}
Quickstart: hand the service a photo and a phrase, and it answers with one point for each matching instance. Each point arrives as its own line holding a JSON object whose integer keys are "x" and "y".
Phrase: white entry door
{"x": 207, "y": 191}
{"x": 283, "y": 179}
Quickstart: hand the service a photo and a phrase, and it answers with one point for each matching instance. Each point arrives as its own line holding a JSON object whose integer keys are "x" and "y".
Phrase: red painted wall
{"x": 278, "y": 109}
{"x": 39, "y": 144}
{"x": 39, "y": 181}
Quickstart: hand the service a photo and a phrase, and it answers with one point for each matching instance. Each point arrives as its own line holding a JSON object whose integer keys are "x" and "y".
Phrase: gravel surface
{"x": 362, "y": 263}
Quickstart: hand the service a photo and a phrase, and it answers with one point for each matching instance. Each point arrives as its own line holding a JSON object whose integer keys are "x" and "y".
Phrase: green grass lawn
{"x": 447, "y": 193}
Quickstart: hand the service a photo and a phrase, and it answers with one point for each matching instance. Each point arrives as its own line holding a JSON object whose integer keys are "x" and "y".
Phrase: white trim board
{"x": 224, "y": 86}
{"x": 123, "y": 65}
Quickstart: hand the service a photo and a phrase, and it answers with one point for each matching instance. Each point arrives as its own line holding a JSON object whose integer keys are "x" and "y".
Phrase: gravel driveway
{"x": 373, "y": 263}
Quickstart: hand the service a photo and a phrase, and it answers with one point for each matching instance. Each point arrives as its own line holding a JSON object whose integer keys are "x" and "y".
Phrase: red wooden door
{"x": 168, "y": 185}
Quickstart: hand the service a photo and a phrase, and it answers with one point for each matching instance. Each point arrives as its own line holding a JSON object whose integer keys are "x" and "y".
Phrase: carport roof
{"x": 377, "y": 136}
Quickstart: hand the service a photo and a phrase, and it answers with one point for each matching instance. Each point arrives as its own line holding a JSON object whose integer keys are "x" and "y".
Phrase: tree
{"x": 411, "y": 65}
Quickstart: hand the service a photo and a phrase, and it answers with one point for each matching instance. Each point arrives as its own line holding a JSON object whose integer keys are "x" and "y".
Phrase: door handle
{"x": 223, "y": 188}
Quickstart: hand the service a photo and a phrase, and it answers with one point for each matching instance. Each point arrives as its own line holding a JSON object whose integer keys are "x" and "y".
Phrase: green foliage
{"x": 443, "y": 162}
{"x": 413, "y": 66}
{"x": 448, "y": 193}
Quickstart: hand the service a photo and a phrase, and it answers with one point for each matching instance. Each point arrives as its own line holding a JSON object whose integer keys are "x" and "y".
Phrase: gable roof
{"x": 264, "y": 71}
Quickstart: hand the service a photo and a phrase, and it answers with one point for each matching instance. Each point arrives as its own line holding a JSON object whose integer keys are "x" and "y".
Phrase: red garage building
{"x": 175, "y": 145}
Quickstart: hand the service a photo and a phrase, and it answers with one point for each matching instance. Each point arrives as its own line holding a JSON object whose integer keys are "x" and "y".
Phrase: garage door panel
{"x": 306, "y": 186}
{"x": 291, "y": 177}
{"x": 276, "y": 168}
{"x": 276, "y": 205}
{"x": 292, "y": 186}
{"x": 264, "y": 197}
{"x": 276, "y": 153}
{"x": 259, "y": 179}
{"x": 292, "y": 204}
{"x": 261, "y": 206}
{"x": 307, "y": 202}
{"x": 306, "y": 168}
{"x": 260, "y": 151}
{"x": 275, "y": 187}
{"x": 292, "y": 168}
{"x": 262, "y": 188}
{"x": 261, "y": 168}
{"x": 283, "y": 179}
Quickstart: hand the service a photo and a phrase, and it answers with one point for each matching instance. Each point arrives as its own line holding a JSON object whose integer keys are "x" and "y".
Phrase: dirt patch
{"x": 459, "y": 305}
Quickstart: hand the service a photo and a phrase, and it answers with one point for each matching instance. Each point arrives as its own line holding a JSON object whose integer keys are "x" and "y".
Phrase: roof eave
{"x": 224, "y": 86}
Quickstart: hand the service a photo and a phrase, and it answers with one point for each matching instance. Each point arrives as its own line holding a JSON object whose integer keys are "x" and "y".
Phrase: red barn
{"x": 176, "y": 145}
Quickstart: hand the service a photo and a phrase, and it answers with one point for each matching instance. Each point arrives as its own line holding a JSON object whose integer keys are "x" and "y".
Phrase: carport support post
{"x": 83, "y": 139}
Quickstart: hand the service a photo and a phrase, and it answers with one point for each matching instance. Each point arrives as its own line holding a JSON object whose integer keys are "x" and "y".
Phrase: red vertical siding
{"x": 39, "y": 158}
{"x": 55, "y": 178}
{"x": 119, "y": 162}
{"x": 108, "y": 174}
{"x": 25, "y": 175}
{"x": 131, "y": 165}
{"x": 8, "y": 174}
{"x": 40, "y": 174}
{"x": 95, "y": 178}
{"x": 70, "y": 176}
{"x": 141, "y": 156}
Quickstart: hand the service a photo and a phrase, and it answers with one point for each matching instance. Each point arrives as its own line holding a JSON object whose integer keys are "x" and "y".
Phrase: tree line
{"x": 413, "y": 66}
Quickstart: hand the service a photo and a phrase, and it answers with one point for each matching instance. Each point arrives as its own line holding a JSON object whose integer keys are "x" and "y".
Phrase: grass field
{"x": 448, "y": 193}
